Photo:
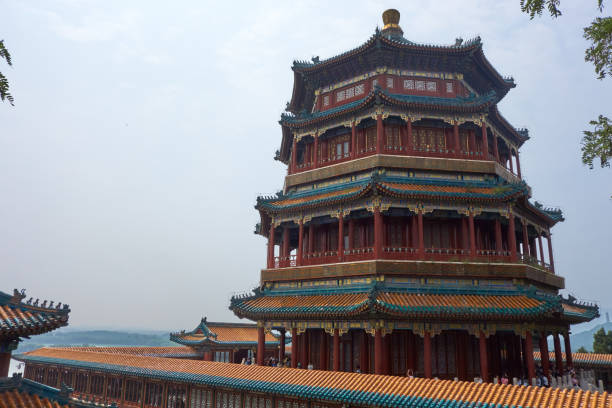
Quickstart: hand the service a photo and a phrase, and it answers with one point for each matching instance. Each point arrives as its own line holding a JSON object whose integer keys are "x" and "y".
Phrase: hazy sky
{"x": 143, "y": 132}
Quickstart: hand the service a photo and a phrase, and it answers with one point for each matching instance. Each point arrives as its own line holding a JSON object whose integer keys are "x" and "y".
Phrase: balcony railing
{"x": 408, "y": 253}
{"x": 400, "y": 151}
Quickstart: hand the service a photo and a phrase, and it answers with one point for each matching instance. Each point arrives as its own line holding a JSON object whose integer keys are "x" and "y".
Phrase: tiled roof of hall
{"x": 221, "y": 334}
{"x": 380, "y": 49}
{"x": 459, "y": 104}
{"x": 416, "y": 302}
{"x": 581, "y": 360}
{"x": 18, "y": 392}
{"x": 355, "y": 389}
{"x": 20, "y": 319}
{"x": 396, "y": 186}
{"x": 172, "y": 351}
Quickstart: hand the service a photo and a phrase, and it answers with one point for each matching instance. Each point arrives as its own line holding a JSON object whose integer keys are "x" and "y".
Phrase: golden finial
{"x": 391, "y": 19}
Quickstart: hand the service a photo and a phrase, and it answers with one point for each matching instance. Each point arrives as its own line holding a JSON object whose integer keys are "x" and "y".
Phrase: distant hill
{"x": 583, "y": 338}
{"x": 94, "y": 338}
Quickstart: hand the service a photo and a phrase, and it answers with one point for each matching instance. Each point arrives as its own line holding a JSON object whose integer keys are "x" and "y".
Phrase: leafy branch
{"x": 4, "y": 85}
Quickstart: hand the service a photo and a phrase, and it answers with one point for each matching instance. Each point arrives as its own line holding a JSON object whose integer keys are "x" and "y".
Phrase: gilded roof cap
{"x": 391, "y": 26}
{"x": 391, "y": 18}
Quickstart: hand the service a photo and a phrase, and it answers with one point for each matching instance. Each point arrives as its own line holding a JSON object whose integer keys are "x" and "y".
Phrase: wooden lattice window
{"x": 177, "y": 396}
{"x": 97, "y": 384}
{"x": 201, "y": 398}
{"x": 393, "y": 136}
{"x": 133, "y": 390}
{"x": 154, "y": 394}
{"x": 80, "y": 383}
{"x": 52, "y": 375}
{"x": 113, "y": 389}
{"x": 370, "y": 138}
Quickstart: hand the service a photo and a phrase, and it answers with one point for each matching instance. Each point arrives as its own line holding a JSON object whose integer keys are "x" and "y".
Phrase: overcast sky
{"x": 143, "y": 131}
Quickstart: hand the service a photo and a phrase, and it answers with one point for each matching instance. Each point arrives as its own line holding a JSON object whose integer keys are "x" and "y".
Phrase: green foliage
{"x": 4, "y": 85}
{"x": 602, "y": 342}
{"x": 582, "y": 350}
{"x": 597, "y": 144}
{"x": 536, "y": 7}
{"x": 599, "y": 33}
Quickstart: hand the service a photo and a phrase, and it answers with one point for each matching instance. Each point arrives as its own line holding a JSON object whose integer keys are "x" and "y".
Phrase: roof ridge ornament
{"x": 391, "y": 28}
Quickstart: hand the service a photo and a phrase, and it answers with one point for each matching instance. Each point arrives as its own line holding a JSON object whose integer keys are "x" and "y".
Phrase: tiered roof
{"x": 582, "y": 360}
{"x": 170, "y": 352}
{"x": 409, "y": 300}
{"x": 17, "y": 392}
{"x": 21, "y": 319}
{"x": 410, "y": 186}
{"x": 380, "y": 50}
{"x": 335, "y": 387}
{"x": 221, "y": 334}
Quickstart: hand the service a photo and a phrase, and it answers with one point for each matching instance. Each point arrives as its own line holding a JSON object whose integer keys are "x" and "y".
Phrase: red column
{"x": 379, "y": 134}
{"x": 261, "y": 345}
{"x": 336, "y": 355}
{"x": 542, "y": 261}
{"x": 351, "y": 232}
{"x": 511, "y": 238}
{"x": 271, "y": 246}
{"x": 293, "y": 156}
{"x": 498, "y": 236}
{"x": 300, "y": 250}
{"x": 485, "y": 141}
{"x": 421, "y": 235}
{"x": 340, "y": 237}
{"x": 551, "y": 260}
{"x": 484, "y": 366}
{"x": 386, "y": 351}
{"x": 304, "y": 346}
{"x": 285, "y": 248}
{"x": 295, "y": 348}
{"x": 558, "y": 355}
{"x": 544, "y": 354}
{"x": 472, "y": 143}
{"x": 525, "y": 240}
{"x": 378, "y": 353}
{"x": 510, "y": 162}
{"x": 363, "y": 353}
{"x": 427, "y": 354}
{"x": 316, "y": 152}
{"x": 518, "y": 165}
{"x": 495, "y": 149}
{"x": 5, "y": 362}
{"x": 311, "y": 234}
{"x": 281, "y": 348}
{"x": 378, "y": 233}
{"x": 323, "y": 351}
{"x": 529, "y": 356}
{"x": 465, "y": 234}
{"x": 208, "y": 356}
{"x": 409, "y": 135}
{"x": 456, "y": 138}
{"x": 472, "y": 234}
{"x": 353, "y": 141}
{"x": 568, "y": 351}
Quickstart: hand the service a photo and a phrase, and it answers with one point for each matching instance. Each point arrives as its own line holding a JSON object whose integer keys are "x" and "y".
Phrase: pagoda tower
{"x": 404, "y": 238}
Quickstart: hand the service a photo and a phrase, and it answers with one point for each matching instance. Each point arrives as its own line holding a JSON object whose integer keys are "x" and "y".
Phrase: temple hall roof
{"x": 221, "y": 334}
{"x": 20, "y": 319}
{"x": 390, "y": 48}
{"x": 18, "y": 392}
{"x": 336, "y": 387}
{"x": 408, "y": 300}
{"x": 173, "y": 351}
{"x": 397, "y": 186}
{"x": 582, "y": 360}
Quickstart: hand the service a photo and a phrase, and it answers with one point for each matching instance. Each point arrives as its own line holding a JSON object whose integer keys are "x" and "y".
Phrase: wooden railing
{"x": 408, "y": 253}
